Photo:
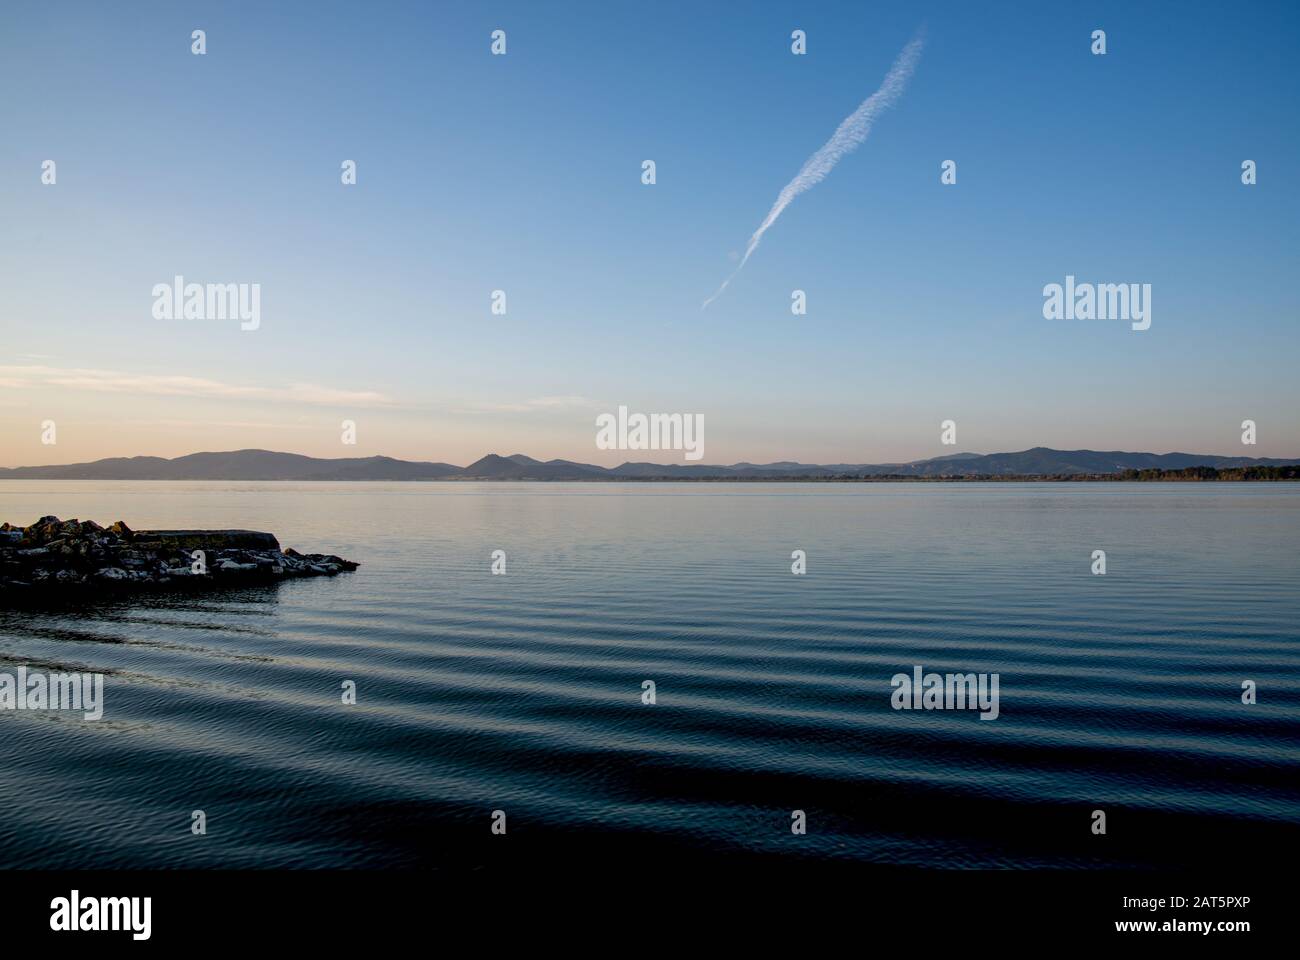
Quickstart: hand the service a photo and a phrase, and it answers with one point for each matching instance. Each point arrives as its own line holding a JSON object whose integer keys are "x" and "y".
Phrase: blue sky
{"x": 522, "y": 173}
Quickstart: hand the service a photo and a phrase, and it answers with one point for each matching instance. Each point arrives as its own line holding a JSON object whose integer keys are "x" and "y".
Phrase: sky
{"x": 523, "y": 173}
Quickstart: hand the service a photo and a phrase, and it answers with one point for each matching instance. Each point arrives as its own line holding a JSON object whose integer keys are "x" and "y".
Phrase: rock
{"x": 54, "y": 555}
{"x": 211, "y": 539}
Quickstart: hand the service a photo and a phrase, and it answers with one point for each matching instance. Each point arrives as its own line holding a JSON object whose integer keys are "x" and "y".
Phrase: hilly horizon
{"x": 256, "y": 464}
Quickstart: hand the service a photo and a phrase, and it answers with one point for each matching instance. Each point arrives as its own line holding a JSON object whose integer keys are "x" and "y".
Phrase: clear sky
{"x": 523, "y": 173}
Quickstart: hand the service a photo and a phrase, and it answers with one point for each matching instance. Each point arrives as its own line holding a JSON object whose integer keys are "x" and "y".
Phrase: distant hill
{"x": 238, "y": 465}
{"x": 269, "y": 465}
{"x": 519, "y": 467}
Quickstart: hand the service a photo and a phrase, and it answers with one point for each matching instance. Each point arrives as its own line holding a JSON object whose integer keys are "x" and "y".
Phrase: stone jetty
{"x": 53, "y": 556}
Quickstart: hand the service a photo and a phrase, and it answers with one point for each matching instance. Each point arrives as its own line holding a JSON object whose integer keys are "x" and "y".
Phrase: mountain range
{"x": 270, "y": 465}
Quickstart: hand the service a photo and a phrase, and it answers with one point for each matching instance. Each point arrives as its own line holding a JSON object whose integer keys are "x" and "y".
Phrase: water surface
{"x": 523, "y": 692}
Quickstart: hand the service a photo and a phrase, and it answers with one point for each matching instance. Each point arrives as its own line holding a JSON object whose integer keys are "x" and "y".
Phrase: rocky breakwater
{"x": 63, "y": 556}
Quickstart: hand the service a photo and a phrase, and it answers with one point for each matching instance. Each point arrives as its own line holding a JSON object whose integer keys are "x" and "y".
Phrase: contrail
{"x": 847, "y": 137}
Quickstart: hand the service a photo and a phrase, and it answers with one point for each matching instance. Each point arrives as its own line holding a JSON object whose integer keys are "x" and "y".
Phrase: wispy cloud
{"x": 112, "y": 381}
{"x": 229, "y": 424}
{"x": 535, "y": 405}
{"x": 847, "y": 137}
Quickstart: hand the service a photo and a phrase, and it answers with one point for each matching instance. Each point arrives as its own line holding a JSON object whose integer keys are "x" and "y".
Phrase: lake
{"x": 523, "y": 692}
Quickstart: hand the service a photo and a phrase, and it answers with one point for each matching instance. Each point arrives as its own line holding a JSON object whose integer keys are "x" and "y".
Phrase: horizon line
{"x": 674, "y": 463}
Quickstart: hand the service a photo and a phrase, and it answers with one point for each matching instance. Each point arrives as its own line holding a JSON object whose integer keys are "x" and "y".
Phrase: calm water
{"x": 522, "y": 692}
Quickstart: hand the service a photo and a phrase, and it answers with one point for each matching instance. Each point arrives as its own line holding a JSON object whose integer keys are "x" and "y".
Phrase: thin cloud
{"x": 229, "y": 424}
{"x": 531, "y": 406}
{"x": 558, "y": 402}
{"x": 847, "y": 137}
{"x": 113, "y": 381}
